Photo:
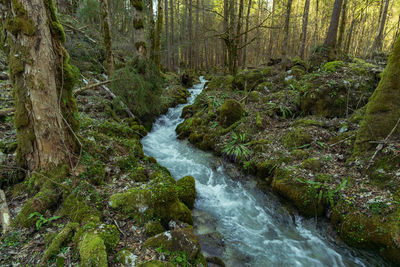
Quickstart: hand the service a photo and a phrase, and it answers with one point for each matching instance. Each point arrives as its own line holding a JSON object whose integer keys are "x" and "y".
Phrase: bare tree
{"x": 286, "y": 34}
{"x": 331, "y": 36}
{"x": 107, "y": 36}
{"x": 304, "y": 28}
{"x": 378, "y": 43}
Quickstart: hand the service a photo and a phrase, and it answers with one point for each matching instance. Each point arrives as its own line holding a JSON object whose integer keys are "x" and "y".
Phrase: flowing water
{"x": 237, "y": 221}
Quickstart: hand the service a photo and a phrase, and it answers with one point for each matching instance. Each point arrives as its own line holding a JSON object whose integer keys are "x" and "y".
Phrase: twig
{"x": 347, "y": 138}
{"x": 90, "y": 86}
{"x": 81, "y": 32}
{"x": 119, "y": 229}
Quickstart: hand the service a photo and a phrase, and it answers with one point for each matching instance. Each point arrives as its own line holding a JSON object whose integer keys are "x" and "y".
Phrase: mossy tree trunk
{"x": 138, "y": 29}
{"x": 45, "y": 110}
{"x": 285, "y": 42}
{"x": 107, "y": 36}
{"x": 383, "y": 108}
{"x": 157, "y": 42}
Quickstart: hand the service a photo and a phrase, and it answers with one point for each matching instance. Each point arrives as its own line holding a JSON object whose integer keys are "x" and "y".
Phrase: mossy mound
{"x": 156, "y": 263}
{"x": 313, "y": 164}
{"x": 187, "y": 191}
{"x": 247, "y": 80}
{"x": 153, "y": 228}
{"x": 182, "y": 241}
{"x": 220, "y": 83}
{"x": 230, "y": 112}
{"x": 296, "y": 138}
{"x": 92, "y": 251}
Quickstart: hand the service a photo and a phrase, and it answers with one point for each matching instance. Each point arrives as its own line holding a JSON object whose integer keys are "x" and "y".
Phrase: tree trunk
{"x": 190, "y": 18}
{"x": 46, "y": 114}
{"x": 157, "y": 50}
{"x": 383, "y": 108}
{"x": 342, "y": 25}
{"x": 316, "y": 39}
{"x": 286, "y": 34}
{"x": 107, "y": 36}
{"x": 205, "y": 39}
{"x": 246, "y": 33}
{"x": 271, "y": 31}
{"x": 197, "y": 41}
{"x": 173, "y": 46}
{"x": 225, "y": 33}
{"x": 304, "y": 28}
{"x": 152, "y": 33}
{"x": 167, "y": 44}
{"x": 378, "y": 43}
{"x": 331, "y": 36}
{"x": 350, "y": 36}
{"x": 138, "y": 29}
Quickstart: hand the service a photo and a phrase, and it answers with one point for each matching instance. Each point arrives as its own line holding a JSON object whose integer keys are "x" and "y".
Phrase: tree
{"x": 107, "y": 36}
{"x": 342, "y": 25}
{"x": 286, "y": 34}
{"x": 304, "y": 28}
{"x": 382, "y": 115}
{"x": 331, "y": 36}
{"x": 378, "y": 43}
{"x": 246, "y": 33}
{"x": 138, "y": 29}
{"x": 167, "y": 43}
{"x": 46, "y": 114}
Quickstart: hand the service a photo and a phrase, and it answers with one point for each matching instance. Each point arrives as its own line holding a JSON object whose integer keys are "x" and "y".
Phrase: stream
{"x": 237, "y": 221}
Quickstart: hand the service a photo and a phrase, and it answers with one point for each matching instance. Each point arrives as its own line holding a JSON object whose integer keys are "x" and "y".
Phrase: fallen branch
{"x": 4, "y": 76}
{"x": 5, "y": 217}
{"x": 81, "y": 32}
{"x": 90, "y": 86}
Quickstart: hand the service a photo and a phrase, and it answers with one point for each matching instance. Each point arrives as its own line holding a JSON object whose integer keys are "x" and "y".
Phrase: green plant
{"x": 237, "y": 148}
{"x": 41, "y": 220}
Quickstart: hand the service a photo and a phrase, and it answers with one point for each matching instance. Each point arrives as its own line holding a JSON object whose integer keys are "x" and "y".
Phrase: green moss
{"x": 296, "y": 138}
{"x": 139, "y": 175}
{"x": 220, "y": 83}
{"x": 92, "y": 251}
{"x": 153, "y": 228}
{"x": 383, "y": 107}
{"x": 299, "y": 154}
{"x": 313, "y": 164}
{"x": 304, "y": 122}
{"x": 265, "y": 169}
{"x": 156, "y": 263}
{"x": 21, "y": 23}
{"x": 177, "y": 211}
{"x": 254, "y": 96}
{"x": 358, "y": 115}
{"x": 323, "y": 177}
{"x": 181, "y": 241}
{"x": 95, "y": 172}
{"x": 230, "y": 112}
{"x": 332, "y": 66}
{"x": 56, "y": 244}
{"x": 186, "y": 188}
{"x": 78, "y": 210}
{"x": 126, "y": 257}
{"x": 110, "y": 236}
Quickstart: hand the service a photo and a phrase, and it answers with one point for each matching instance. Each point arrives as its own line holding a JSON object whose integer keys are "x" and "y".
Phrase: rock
{"x": 296, "y": 138}
{"x": 181, "y": 240}
{"x": 187, "y": 191}
{"x": 153, "y": 228}
{"x": 156, "y": 263}
{"x": 312, "y": 164}
{"x": 126, "y": 257}
{"x": 230, "y": 112}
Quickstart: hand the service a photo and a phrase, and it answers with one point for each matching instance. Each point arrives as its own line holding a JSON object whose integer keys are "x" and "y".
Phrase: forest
{"x": 213, "y": 133}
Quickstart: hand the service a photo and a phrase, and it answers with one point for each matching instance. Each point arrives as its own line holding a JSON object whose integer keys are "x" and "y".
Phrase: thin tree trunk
{"x": 246, "y": 33}
{"x": 167, "y": 44}
{"x": 138, "y": 29}
{"x": 378, "y": 43}
{"x": 197, "y": 41}
{"x": 342, "y": 25}
{"x": 331, "y": 36}
{"x": 304, "y": 28}
{"x": 173, "y": 46}
{"x": 226, "y": 33}
{"x": 157, "y": 50}
{"x": 107, "y": 36}
{"x": 350, "y": 36}
{"x": 271, "y": 31}
{"x": 152, "y": 32}
{"x": 190, "y": 18}
{"x": 205, "y": 39}
{"x": 286, "y": 34}
{"x": 316, "y": 39}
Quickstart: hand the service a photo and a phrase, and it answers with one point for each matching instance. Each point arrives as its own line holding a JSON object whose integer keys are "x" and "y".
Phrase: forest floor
{"x": 296, "y": 129}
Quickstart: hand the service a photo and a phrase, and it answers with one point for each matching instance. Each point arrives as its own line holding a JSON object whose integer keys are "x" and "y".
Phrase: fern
{"x": 237, "y": 148}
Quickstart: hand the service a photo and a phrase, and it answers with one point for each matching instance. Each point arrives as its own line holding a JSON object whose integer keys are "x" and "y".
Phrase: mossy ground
{"x": 304, "y": 153}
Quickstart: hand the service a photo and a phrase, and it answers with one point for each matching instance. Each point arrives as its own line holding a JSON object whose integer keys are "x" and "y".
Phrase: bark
{"x": 286, "y": 34}
{"x": 246, "y": 33}
{"x": 225, "y": 33}
{"x": 107, "y": 36}
{"x": 152, "y": 33}
{"x": 342, "y": 25}
{"x": 5, "y": 216}
{"x": 383, "y": 109}
{"x": 167, "y": 43}
{"x": 138, "y": 29}
{"x": 205, "y": 39}
{"x": 331, "y": 36}
{"x": 190, "y": 19}
{"x": 271, "y": 31}
{"x": 197, "y": 41}
{"x": 378, "y": 43}
{"x": 173, "y": 52}
{"x": 316, "y": 22}
{"x": 157, "y": 42}
{"x": 304, "y": 28}
{"x": 46, "y": 114}
{"x": 350, "y": 36}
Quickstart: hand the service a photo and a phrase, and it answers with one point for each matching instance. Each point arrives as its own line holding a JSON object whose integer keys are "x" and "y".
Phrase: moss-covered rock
{"x": 138, "y": 174}
{"x": 230, "y": 112}
{"x": 156, "y": 263}
{"x": 92, "y": 251}
{"x": 254, "y": 96}
{"x": 95, "y": 172}
{"x": 332, "y": 66}
{"x": 295, "y": 138}
{"x": 153, "y": 228}
{"x": 181, "y": 240}
{"x": 187, "y": 191}
{"x": 77, "y": 209}
{"x": 126, "y": 257}
{"x": 313, "y": 164}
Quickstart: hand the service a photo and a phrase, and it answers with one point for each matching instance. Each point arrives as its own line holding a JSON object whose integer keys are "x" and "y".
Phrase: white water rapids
{"x": 237, "y": 221}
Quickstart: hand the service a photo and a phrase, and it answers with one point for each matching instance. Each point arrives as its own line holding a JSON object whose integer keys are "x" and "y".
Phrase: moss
{"x": 313, "y": 164}
{"x": 110, "y": 236}
{"x": 177, "y": 211}
{"x": 126, "y": 257}
{"x": 299, "y": 154}
{"x": 55, "y": 25}
{"x": 358, "y": 115}
{"x": 78, "y": 210}
{"x": 56, "y": 244}
{"x": 92, "y": 251}
{"x": 139, "y": 174}
{"x": 187, "y": 191}
{"x": 138, "y": 24}
{"x": 220, "y": 83}
{"x": 296, "y": 138}
{"x": 305, "y": 122}
{"x": 383, "y": 110}
{"x": 21, "y": 23}
{"x": 153, "y": 228}
{"x": 323, "y": 177}
{"x": 182, "y": 241}
{"x": 265, "y": 169}
{"x": 95, "y": 172}
{"x": 230, "y": 112}
{"x": 254, "y": 96}
{"x": 332, "y": 66}
{"x": 156, "y": 263}
{"x": 137, "y": 4}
